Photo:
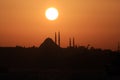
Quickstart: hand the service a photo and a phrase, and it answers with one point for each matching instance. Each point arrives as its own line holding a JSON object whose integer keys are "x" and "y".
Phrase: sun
{"x": 51, "y": 13}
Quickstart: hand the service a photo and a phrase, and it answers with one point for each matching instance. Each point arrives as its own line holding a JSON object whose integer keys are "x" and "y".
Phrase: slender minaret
{"x": 69, "y": 42}
{"x": 59, "y": 39}
{"x": 55, "y": 38}
{"x": 73, "y": 42}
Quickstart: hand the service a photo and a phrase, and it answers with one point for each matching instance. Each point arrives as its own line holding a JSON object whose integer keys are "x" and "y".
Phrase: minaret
{"x": 69, "y": 42}
{"x": 73, "y": 42}
{"x": 55, "y": 38}
{"x": 59, "y": 39}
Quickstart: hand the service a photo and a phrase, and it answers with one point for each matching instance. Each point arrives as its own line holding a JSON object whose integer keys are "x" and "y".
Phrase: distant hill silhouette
{"x": 49, "y": 44}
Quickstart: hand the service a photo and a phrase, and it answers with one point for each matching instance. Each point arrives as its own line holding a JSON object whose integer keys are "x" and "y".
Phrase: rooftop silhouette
{"x": 49, "y": 58}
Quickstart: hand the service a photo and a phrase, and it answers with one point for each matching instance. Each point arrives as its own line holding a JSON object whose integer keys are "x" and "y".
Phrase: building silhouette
{"x": 49, "y": 44}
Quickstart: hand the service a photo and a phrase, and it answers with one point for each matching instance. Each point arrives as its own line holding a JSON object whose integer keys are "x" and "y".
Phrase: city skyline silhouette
{"x": 59, "y": 40}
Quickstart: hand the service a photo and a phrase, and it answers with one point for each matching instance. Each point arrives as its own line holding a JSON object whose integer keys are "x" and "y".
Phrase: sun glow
{"x": 51, "y": 13}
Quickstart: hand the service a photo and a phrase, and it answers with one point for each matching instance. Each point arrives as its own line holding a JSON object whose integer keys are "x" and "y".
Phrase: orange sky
{"x": 95, "y": 22}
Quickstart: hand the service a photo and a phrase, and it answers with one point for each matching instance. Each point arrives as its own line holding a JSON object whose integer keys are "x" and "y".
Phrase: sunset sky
{"x": 94, "y": 22}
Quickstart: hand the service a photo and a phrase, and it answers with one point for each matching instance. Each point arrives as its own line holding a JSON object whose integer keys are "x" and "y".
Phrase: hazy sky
{"x": 94, "y": 22}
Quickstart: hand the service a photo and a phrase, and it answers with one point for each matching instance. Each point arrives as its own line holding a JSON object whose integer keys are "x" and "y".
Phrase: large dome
{"x": 49, "y": 44}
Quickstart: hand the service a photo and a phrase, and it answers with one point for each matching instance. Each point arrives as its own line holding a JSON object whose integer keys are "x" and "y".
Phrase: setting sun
{"x": 51, "y": 13}
{"x": 30, "y": 22}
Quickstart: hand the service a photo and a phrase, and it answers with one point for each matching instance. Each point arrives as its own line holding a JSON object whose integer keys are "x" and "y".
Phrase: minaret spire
{"x": 55, "y": 38}
{"x": 69, "y": 42}
{"x": 73, "y": 42}
{"x": 59, "y": 39}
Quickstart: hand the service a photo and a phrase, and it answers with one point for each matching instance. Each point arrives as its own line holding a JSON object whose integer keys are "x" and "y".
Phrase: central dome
{"x": 49, "y": 44}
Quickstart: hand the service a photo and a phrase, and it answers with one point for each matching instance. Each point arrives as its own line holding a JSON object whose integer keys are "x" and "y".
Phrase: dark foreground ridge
{"x": 50, "y": 62}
